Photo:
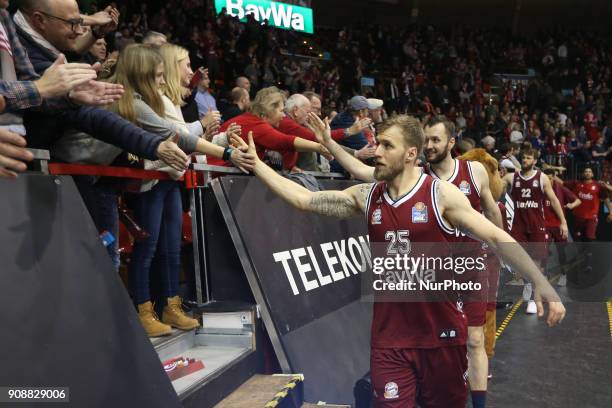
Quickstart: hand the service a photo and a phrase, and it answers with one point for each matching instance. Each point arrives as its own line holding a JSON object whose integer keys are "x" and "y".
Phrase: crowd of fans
{"x": 147, "y": 108}
{"x": 562, "y": 111}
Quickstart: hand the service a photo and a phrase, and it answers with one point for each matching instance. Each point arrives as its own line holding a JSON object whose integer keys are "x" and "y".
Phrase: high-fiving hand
{"x": 13, "y": 154}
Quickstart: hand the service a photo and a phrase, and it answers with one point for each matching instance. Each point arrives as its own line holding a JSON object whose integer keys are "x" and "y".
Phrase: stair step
{"x": 323, "y": 405}
{"x": 216, "y": 351}
{"x": 267, "y": 391}
{"x": 171, "y": 346}
{"x": 215, "y": 360}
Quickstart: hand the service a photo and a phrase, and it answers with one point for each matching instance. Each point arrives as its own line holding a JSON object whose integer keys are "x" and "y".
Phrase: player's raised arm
{"x": 343, "y": 204}
{"x": 456, "y": 209}
{"x": 354, "y": 166}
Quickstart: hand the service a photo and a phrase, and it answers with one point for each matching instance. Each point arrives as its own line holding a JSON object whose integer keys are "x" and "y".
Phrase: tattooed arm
{"x": 456, "y": 209}
{"x": 342, "y": 204}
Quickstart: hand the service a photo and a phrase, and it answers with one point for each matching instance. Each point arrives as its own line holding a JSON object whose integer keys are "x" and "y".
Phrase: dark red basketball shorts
{"x": 493, "y": 269}
{"x": 476, "y": 313}
{"x": 431, "y": 378}
{"x": 537, "y": 250}
{"x": 554, "y": 235}
{"x": 585, "y": 228}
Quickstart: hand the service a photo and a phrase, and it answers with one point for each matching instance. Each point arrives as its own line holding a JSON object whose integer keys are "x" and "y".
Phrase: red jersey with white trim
{"x": 590, "y": 194}
{"x": 463, "y": 178}
{"x": 528, "y": 197}
{"x": 411, "y": 219}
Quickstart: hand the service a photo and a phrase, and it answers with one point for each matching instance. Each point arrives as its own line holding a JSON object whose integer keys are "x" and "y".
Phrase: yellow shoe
{"x": 175, "y": 316}
{"x": 150, "y": 321}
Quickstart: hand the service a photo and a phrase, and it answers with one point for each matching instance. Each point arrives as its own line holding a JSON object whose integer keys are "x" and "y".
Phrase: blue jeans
{"x": 108, "y": 218}
{"x": 101, "y": 202}
{"x": 159, "y": 212}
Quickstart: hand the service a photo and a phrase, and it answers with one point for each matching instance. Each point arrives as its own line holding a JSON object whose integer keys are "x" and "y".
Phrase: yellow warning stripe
{"x": 273, "y": 403}
{"x": 502, "y": 326}
{"x": 609, "y": 305}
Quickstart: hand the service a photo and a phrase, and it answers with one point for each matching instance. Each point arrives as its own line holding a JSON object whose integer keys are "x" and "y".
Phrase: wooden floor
{"x": 256, "y": 392}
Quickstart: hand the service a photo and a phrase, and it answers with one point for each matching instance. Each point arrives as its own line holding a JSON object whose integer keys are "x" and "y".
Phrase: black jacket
{"x": 44, "y": 127}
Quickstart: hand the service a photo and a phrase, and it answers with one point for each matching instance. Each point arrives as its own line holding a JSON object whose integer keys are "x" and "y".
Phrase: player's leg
{"x": 478, "y": 364}
{"x": 443, "y": 377}
{"x": 490, "y": 327}
{"x": 477, "y": 356}
{"x": 393, "y": 377}
{"x": 490, "y": 330}
{"x": 538, "y": 251}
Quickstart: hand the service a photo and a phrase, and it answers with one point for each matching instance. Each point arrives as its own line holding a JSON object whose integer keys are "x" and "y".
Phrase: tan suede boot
{"x": 150, "y": 321}
{"x": 175, "y": 316}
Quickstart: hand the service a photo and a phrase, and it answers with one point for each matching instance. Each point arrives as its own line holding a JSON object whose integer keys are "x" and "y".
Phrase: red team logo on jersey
{"x": 376, "y": 217}
{"x": 391, "y": 390}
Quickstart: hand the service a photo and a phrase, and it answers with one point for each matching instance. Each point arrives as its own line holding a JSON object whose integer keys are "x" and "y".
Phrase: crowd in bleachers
{"x": 141, "y": 105}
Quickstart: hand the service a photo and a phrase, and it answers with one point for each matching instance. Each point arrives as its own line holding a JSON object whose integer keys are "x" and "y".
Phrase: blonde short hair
{"x": 410, "y": 127}
{"x": 266, "y": 101}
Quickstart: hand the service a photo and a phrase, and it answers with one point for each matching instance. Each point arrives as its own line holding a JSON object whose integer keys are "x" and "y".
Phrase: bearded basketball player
{"x": 408, "y": 351}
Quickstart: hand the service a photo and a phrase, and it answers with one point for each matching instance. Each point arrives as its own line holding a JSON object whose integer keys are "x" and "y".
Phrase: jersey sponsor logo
{"x": 419, "y": 213}
{"x": 376, "y": 216}
{"x": 448, "y": 334}
{"x": 517, "y": 184}
{"x": 391, "y": 390}
{"x": 585, "y": 196}
{"x": 465, "y": 188}
{"x": 527, "y": 204}
{"x": 535, "y": 183}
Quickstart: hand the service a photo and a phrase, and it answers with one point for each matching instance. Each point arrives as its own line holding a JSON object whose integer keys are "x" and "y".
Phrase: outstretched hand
{"x": 211, "y": 131}
{"x": 96, "y": 93}
{"x": 169, "y": 152}
{"x": 544, "y": 293}
{"x": 252, "y": 146}
{"x": 359, "y": 125}
{"x": 245, "y": 161}
{"x": 13, "y": 154}
{"x": 234, "y": 137}
{"x": 320, "y": 128}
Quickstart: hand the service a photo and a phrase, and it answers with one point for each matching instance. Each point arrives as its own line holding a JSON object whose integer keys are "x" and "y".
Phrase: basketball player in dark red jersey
{"x": 590, "y": 192}
{"x": 491, "y": 165}
{"x": 413, "y": 345}
{"x": 528, "y": 189}
{"x": 473, "y": 181}
{"x": 567, "y": 199}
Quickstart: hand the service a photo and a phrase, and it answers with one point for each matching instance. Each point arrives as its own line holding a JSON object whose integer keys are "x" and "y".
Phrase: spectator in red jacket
{"x": 263, "y": 119}
{"x": 297, "y": 109}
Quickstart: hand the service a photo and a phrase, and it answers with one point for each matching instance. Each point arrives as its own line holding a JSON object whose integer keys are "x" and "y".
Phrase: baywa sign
{"x": 281, "y": 15}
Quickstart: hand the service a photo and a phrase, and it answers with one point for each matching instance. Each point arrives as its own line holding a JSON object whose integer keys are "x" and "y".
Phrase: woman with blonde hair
{"x": 158, "y": 207}
{"x": 493, "y": 264}
{"x": 178, "y": 75}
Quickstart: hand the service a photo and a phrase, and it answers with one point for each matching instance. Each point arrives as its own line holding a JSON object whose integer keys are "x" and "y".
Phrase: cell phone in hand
{"x": 197, "y": 77}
